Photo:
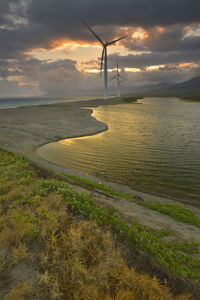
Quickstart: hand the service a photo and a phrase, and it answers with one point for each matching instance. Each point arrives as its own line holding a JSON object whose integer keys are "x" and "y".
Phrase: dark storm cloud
{"x": 165, "y": 39}
{"x": 33, "y": 24}
{"x": 62, "y": 18}
{"x": 47, "y": 20}
{"x": 12, "y": 89}
{"x": 64, "y": 63}
{"x": 115, "y": 12}
{"x": 152, "y": 59}
{"x": 12, "y": 12}
{"x": 34, "y": 68}
{"x": 53, "y": 78}
{"x": 4, "y": 11}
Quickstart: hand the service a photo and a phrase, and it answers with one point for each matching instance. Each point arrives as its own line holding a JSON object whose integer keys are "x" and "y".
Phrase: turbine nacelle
{"x": 103, "y": 56}
{"x": 119, "y": 79}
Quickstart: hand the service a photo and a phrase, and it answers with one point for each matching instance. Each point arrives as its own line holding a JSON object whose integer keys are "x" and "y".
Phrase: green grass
{"x": 177, "y": 212}
{"x": 191, "y": 98}
{"x": 130, "y": 99}
{"x": 191, "y": 247}
{"x": 16, "y": 172}
{"x": 150, "y": 241}
{"x": 88, "y": 183}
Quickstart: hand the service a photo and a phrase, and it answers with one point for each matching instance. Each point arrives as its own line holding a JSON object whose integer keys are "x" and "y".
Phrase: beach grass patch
{"x": 129, "y": 99}
{"x": 177, "y": 212}
{"x": 86, "y": 182}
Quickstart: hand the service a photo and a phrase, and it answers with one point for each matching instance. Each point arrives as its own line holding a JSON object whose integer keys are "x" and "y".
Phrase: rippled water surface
{"x": 152, "y": 146}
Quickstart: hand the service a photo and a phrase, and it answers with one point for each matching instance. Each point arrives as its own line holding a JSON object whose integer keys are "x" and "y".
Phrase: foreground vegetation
{"x": 175, "y": 211}
{"x": 130, "y": 99}
{"x": 192, "y": 98}
{"x": 59, "y": 244}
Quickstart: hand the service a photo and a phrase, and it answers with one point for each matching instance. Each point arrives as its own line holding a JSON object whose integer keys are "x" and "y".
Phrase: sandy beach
{"x": 24, "y": 129}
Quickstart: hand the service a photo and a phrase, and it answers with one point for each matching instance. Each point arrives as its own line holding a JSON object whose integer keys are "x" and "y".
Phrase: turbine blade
{"x": 113, "y": 77}
{"x": 92, "y": 31}
{"x": 122, "y": 77}
{"x": 102, "y": 59}
{"x": 117, "y": 67}
{"x": 115, "y": 41}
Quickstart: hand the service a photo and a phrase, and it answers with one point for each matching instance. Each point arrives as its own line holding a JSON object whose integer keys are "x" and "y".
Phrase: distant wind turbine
{"x": 118, "y": 77}
{"x": 103, "y": 57}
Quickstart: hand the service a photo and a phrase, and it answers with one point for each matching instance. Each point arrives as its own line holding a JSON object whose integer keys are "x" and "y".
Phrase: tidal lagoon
{"x": 153, "y": 146}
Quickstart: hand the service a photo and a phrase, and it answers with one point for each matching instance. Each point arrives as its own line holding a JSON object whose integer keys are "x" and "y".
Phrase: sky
{"x": 45, "y": 49}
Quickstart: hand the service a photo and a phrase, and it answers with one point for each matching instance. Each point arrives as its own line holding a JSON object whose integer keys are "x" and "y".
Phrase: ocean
{"x": 17, "y": 102}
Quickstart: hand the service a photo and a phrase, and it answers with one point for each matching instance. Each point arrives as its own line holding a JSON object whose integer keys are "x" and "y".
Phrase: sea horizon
{"x": 13, "y": 102}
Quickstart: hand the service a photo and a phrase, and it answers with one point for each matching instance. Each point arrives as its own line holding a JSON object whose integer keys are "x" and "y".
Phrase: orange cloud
{"x": 91, "y": 71}
{"x": 97, "y": 70}
{"x": 140, "y": 34}
{"x": 132, "y": 70}
{"x": 190, "y": 65}
{"x": 27, "y": 84}
{"x": 154, "y": 68}
{"x": 176, "y": 66}
{"x": 63, "y": 44}
{"x": 160, "y": 29}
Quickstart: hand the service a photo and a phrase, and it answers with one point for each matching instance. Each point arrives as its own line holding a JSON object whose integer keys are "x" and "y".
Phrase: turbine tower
{"x": 103, "y": 57}
{"x": 118, "y": 77}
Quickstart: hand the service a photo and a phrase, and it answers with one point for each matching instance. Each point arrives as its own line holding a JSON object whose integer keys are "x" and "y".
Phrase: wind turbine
{"x": 104, "y": 58}
{"x": 117, "y": 77}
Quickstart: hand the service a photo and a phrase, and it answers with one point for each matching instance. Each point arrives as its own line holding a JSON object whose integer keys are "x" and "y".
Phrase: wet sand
{"x": 24, "y": 129}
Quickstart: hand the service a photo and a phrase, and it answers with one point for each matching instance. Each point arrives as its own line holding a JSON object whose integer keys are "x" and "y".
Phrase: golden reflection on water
{"x": 152, "y": 146}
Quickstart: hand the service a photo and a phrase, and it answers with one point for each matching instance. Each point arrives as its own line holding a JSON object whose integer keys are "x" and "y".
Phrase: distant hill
{"x": 187, "y": 88}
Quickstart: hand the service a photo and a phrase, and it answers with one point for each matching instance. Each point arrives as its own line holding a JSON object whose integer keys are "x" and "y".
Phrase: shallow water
{"x": 154, "y": 147}
{"x": 17, "y": 102}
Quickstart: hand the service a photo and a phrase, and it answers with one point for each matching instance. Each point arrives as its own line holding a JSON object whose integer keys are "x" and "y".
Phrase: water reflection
{"x": 153, "y": 147}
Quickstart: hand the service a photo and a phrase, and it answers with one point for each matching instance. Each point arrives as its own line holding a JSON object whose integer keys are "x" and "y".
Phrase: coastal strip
{"x": 24, "y": 129}
{"x": 161, "y": 240}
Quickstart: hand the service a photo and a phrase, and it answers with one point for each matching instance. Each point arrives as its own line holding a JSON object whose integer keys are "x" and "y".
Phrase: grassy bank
{"x": 190, "y": 97}
{"x": 59, "y": 244}
{"x": 175, "y": 211}
{"x": 129, "y": 99}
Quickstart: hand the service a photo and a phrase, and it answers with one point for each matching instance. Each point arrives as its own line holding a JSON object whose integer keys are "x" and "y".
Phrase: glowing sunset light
{"x": 14, "y": 78}
{"x": 192, "y": 31}
{"x": 133, "y": 70}
{"x": 160, "y": 29}
{"x": 56, "y": 45}
{"x": 27, "y": 84}
{"x": 97, "y": 70}
{"x": 91, "y": 71}
{"x": 46, "y": 44}
{"x": 154, "y": 68}
{"x": 140, "y": 34}
{"x": 185, "y": 65}
{"x": 63, "y": 45}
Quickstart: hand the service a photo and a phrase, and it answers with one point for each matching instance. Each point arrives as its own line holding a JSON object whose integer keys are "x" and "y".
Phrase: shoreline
{"x": 146, "y": 261}
{"x": 42, "y": 124}
{"x": 151, "y": 238}
{"x": 33, "y": 129}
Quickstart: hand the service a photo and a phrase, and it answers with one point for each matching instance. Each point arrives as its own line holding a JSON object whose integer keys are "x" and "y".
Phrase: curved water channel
{"x": 153, "y": 147}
